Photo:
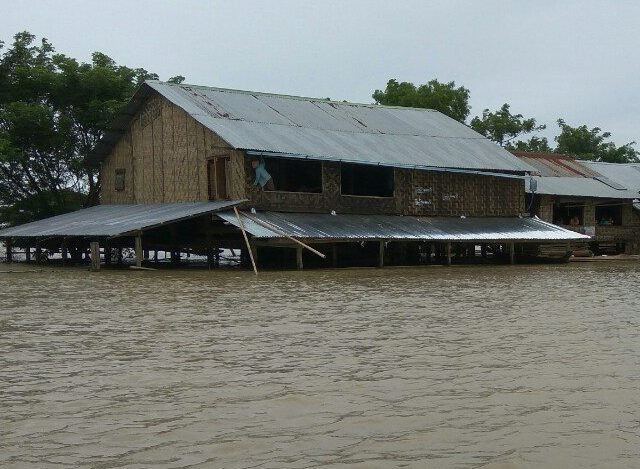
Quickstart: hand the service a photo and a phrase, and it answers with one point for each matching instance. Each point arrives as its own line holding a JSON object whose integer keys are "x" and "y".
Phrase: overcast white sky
{"x": 576, "y": 59}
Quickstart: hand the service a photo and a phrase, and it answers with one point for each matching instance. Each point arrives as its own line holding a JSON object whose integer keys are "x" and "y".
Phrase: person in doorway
{"x": 575, "y": 221}
{"x": 610, "y": 222}
{"x": 263, "y": 178}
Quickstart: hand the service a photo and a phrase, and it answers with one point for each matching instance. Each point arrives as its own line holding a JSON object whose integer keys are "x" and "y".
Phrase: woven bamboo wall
{"x": 417, "y": 192}
{"x": 165, "y": 154}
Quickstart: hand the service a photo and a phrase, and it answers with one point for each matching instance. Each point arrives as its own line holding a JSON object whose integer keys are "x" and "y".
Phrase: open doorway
{"x": 218, "y": 172}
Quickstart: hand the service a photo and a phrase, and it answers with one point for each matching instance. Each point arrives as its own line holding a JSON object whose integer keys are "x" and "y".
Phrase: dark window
{"x": 119, "y": 179}
{"x": 218, "y": 175}
{"x": 289, "y": 175}
{"x": 609, "y": 215}
{"x": 367, "y": 180}
{"x": 568, "y": 214}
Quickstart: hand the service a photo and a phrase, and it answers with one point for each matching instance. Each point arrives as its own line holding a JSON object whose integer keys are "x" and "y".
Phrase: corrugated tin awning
{"x": 317, "y": 128}
{"x": 578, "y": 187}
{"x": 114, "y": 220}
{"x": 366, "y": 227}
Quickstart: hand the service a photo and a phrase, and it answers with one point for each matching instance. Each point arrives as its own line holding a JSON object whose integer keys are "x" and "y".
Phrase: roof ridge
{"x": 288, "y": 96}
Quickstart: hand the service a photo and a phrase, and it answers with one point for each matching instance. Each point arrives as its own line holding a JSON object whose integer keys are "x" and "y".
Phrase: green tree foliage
{"x": 53, "y": 110}
{"x": 502, "y": 127}
{"x": 444, "y": 97}
{"x": 534, "y": 144}
{"x": 591, "y": 144}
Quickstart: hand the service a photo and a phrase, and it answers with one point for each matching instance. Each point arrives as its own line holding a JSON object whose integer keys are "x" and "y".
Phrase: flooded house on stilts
{"x": 593, "y": 198}
{"x": 292, "y": 182}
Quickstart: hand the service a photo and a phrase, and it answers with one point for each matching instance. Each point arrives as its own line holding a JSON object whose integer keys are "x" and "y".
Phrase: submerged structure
{"x": 293, "y": 181}
{"x": 592, "y": 198}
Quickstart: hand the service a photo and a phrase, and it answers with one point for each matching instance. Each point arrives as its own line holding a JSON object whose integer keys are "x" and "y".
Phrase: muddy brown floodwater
{"x": 462, "y": 367}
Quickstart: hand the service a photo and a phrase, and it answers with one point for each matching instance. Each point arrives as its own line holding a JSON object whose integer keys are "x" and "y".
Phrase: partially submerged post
{"x": 512, "y": 253}
{"x": 299, "y": 264}
{"x": 139, "y": 252}
{"x": 65, "y": 251}
{"x": 448, "y": 253}
{"x": 246, "y": 240}
{"x": 380, "y": 254}
{"x": 95, "y": 256}
{"x": 9, "y": 247}
{"x": 38, "y": 252}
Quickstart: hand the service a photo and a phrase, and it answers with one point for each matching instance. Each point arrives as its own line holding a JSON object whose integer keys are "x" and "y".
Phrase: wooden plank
{"x": 299, "y": 264}
{"x": 95, "y": 256}
{"x": 246, "y": 240}
{"x": 139, "y": 252}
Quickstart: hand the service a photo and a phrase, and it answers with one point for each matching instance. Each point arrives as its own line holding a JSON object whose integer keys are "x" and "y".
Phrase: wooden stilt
{"x": 512, "y": 253}
{"x": 27, "y": 254}
{"x": 9, "y": 247}
{"x": 254, "y": 253}
{"x": 120, "y": 256}
{"x": 65, "y": 251}
{"x": 139, "y": 251}
{"x": 380, "y": 254}
{"x": 448, "y": 253}
{"x": 334, "y": 255}
{"x": 246, "y": 240}
{"x": 38, "y": 252}
{"x": 299, "y": 264}
{"x": 107, "y": 253}
{"x": 95, "y": 256}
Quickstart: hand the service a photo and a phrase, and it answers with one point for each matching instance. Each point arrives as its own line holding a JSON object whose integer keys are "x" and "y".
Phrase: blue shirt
{"x": 262, "y": 176}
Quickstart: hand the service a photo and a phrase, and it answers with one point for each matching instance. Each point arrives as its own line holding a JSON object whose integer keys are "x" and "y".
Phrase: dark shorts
{"x": 269, "y": 186}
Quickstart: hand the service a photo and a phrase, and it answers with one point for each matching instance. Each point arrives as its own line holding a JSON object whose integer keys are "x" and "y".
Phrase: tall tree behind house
{"x": 53, "y": 110}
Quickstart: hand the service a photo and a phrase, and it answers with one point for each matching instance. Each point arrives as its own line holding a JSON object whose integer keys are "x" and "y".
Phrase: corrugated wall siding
{"x": 164, "y": 155}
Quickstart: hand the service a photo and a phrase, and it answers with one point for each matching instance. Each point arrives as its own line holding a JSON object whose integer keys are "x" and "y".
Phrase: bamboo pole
{"x": 282, "y": 233}
{"x": 246, "y": 240}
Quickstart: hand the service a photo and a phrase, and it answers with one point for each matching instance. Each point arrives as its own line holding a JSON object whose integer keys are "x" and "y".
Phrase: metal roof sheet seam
{"x": 363, "y": 227}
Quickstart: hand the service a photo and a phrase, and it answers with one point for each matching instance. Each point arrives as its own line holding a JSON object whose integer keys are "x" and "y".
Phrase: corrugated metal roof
{"x": 362, "y": 133}
{"x": 114, "y": 220}
{"x": 578, "y": 187}
{"x": 627, "y": 175}
{"x": 556, "y": 164}
{"x": 362, "y": 227}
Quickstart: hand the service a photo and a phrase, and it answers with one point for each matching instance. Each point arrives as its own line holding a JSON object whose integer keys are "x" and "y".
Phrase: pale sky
{"x": 576, "y": 59}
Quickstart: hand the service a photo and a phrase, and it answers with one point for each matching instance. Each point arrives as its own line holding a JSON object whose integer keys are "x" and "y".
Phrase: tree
{"x": 502, "y": 126}
{"x": 53, "y": 110}
{"x": 444, "y": 97}
{"x": 590, "y": 144}
{"x": 534, "y": 144}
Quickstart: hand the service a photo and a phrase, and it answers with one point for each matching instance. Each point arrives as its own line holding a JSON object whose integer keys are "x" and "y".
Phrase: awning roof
{"x": 363, "y": 227}
{"x": 114, "y": 220}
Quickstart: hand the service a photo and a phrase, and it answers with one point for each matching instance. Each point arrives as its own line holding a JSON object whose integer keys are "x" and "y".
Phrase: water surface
{"x": 462, "y": 367}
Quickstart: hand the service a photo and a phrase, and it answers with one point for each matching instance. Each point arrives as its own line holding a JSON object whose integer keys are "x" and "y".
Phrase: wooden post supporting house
{"x": 512, "y": 253}
{"x": 299, "y": 264}
{"x": 27, "y": 254}
{"x": 334, "y": 255}
{"x": 107, "y": 253}
{"x": 120, "y": 255}
{"x": 9, "y": 246}
{"x": 139, "y": 252}
{"x": 38, "y": 251}
{"x": 95, "y": 256}
{"x": 448, "y": 253}
{"x": 65, "y": 251}
{"x": 380, "y": 254}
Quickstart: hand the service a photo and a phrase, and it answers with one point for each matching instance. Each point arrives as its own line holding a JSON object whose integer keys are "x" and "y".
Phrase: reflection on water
{"x": 513, "y": 367}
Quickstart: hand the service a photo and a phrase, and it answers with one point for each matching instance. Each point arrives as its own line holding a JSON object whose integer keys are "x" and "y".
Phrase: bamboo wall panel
{"x": 168, "y": 153}
{"x": 158, "y": 154}
{"x": 181, "y": 153}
